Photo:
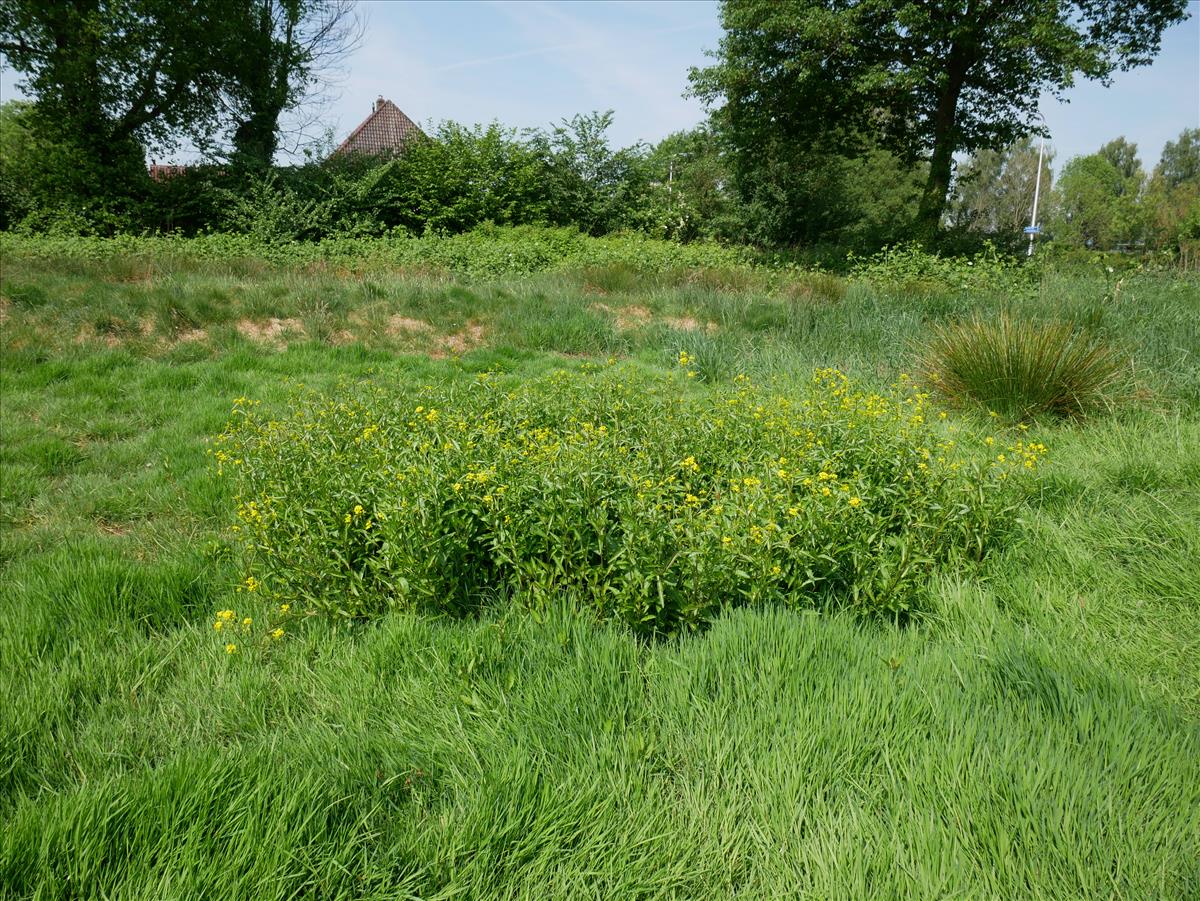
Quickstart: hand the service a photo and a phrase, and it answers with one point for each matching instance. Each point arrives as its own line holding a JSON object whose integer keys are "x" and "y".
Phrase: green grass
{"x": 1023, "y": 369}
{"x": 1036, "y": 736}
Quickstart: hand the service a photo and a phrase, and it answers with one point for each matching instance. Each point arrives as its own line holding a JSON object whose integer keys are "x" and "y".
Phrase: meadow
{"x": 1022, "y": 720}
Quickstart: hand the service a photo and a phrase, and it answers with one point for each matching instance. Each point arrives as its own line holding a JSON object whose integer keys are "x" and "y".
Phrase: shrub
{"x": 911, "y": 269}
{"x": 1019, "y": 368}
{"x": 651, "y": 500}
{"x": 487, "y": 251}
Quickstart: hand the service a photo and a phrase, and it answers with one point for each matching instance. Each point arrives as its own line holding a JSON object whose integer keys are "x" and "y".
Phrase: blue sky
{"x": 534, "y": 62}
{"x": 528, "y": 63}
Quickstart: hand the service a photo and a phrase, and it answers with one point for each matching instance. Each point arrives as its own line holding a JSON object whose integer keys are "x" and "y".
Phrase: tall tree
{"x": 108, "y": 76}
{"x": 1098, "y": 203}
{"x": 1180, "y": 161}
{"x": 1124, "y": 157}
{"x": 994, "y": 189}
{"x": 282, "y": 49}
{"x": 928, "y": 78}
{"x": 1172, "y": 198}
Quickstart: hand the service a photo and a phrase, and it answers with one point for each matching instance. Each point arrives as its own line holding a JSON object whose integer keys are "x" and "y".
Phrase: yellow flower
{"x": 277, "y": 634}
{"x": 218, "y": 624}
{"x": 684, "y": 358}
{"x": 284, "y": 608}
{"x": 358, "y": 509}
{"x": 726, "y": 540}
{"x": 247, "y": 621}
{"x": 826, "y": 491}
{"x": 230, "y": 648}
{"x": 855, "y": 501}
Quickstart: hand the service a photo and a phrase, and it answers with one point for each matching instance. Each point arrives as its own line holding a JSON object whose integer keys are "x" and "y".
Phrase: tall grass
{"x": 1021, "y": 368}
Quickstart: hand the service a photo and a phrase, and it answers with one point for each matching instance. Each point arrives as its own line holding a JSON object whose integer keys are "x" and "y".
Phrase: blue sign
{"x": 1033, "y": 229}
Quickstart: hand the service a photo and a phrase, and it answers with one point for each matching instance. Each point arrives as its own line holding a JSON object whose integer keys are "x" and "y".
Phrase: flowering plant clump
{"x": 241, "y": 633}
{"x": 649, "y": 498}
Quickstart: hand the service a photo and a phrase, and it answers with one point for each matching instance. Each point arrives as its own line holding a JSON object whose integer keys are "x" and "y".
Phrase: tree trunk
{"x": 265, "y": 86}
{"x": 937, "y": 185}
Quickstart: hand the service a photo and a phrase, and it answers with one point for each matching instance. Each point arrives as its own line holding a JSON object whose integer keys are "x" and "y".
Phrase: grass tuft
{"x": 1020, "y": 369}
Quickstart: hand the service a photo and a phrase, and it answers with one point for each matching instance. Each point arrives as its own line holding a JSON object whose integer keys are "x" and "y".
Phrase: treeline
{"x": 801, "y": 148}
{"x": 682, "y": 188}
{"x": 1106, "y": 200}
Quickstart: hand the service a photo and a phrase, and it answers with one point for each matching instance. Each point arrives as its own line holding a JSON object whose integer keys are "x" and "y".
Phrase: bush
{"x": 1021, "y": 369}
{"x": 651, "y": 500}
{"x": 485, "y": 252}
{"x": 911, "y": 269}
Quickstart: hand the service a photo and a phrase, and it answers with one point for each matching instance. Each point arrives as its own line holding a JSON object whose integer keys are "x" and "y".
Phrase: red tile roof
{"x": 385, "y": 131}
{"x": 163, "y": 171}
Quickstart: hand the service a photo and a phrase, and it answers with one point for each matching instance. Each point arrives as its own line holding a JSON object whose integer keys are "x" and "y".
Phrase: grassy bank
{"x": 1034, "y": 733}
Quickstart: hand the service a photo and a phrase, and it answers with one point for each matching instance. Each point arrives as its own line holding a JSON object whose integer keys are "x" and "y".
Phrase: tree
{"x": 691, "y": 184}
{"x": 589, "y": 183}
{"x": 1124, "y": 158}
{"x": 281, "y": 49}
{"x": 926, "y": 78}
{"x": 994, "y": 189}
{"x": 1098, "y": 205}
{"x": 1173, "y": 197}
{"x": 109, "y": 76}
{"x": 1180, "y": 160}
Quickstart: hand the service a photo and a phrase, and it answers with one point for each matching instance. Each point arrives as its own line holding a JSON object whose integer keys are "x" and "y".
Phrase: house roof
{"x": 163, "y": 171}
{"x": 385, "y": 131}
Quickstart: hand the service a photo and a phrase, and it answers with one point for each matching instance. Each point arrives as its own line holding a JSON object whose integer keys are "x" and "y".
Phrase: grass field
{"x": 1033, "y": 733}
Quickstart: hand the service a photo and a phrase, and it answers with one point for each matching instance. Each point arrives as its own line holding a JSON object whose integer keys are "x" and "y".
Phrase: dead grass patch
{"x": 273, "y": 331}
{"x": 404, "y": 326}
{"x": 628, "y": 318}
{"x": 466, "y": 339}
{"x": 690, "y": 324}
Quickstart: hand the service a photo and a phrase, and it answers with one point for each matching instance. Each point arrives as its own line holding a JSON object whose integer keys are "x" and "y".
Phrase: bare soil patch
{"x": 404, "y": 326}
{"x": 468, "y": 338}
{"x": 628, "y": 318}
{"x": 690, "y": 324}
{"x": 273, "y": 331}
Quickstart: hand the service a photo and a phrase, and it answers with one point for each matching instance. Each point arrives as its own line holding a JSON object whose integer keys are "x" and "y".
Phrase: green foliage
{"x": 791, "y": 197}
{"x": 1097, "y": 203}
{"x": 48, "y": 184}
{"x": 458, "y": 179}
{"x": 1173, "y": 197}
{"x": 923, "y": 80}
{"x": 649, "y": 504}
{"x": 911, "y": 268}
{"x": 486, "y": 251}
{"x": 110, "y": 76}
{"x": 271, "y": 210}
{"x": 1021, "y": 369}
{"x": 1034, "y": 736}
{"x": 993, "y": 191}
{"x": 690, "y": 192}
